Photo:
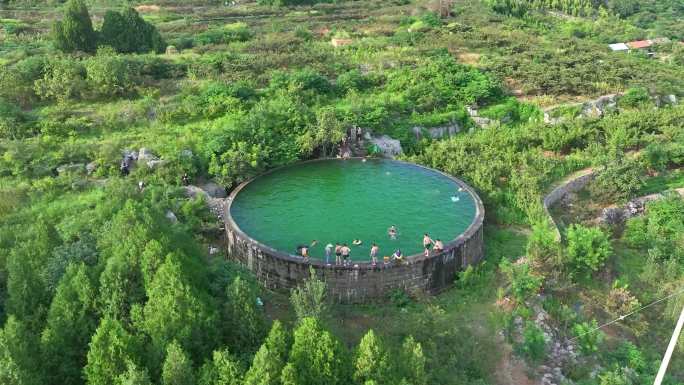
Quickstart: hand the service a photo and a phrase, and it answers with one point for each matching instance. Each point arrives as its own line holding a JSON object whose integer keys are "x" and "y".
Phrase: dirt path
{"x": 510, "y": 370}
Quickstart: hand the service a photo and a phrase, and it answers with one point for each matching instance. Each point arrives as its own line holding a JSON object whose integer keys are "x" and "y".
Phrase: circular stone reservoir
{"x": 341, "y": 200}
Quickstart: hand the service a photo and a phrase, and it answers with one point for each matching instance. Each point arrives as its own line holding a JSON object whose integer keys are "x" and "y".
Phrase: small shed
{"x": 640, "y": 44}
{"x": 618, "y": 47}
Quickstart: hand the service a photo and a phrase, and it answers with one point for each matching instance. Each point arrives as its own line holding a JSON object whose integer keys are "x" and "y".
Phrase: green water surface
{"x": 341, "y": 200}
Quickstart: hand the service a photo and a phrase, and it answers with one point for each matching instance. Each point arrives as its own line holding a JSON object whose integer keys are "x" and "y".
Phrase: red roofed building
{"x": 640, "y": 44}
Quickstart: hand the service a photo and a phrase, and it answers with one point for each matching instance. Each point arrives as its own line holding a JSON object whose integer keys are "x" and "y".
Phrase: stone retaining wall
{"x": 360, "y": 282}
{"x": 571, "y": 185}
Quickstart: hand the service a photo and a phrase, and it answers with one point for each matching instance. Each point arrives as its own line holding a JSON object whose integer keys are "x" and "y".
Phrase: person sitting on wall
{"x": 386, "y": 260}
{"x": 397, "y": 256}
{"x": 357, "y": 242}
{"x": 438, "y": 247}
{"x": 303, "y": 250}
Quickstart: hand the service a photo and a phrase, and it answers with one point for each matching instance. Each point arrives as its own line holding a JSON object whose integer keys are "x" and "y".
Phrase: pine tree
{"x": 112, "y": 349}
{"x": 18, "y": 350}
{"x": 222, "y": 370}
{"x": 244, "y": 321}
{"x": 371, "y": 363}
{"x": 175, "y": 310}
{"x": 413, "y": 362}
{"x": 75, "y": 31}
{"x": 316, "y": 356}
{"x": 269, "y": 361}
{"x": 177, "y": 368}
{"x": 70, "y": 323}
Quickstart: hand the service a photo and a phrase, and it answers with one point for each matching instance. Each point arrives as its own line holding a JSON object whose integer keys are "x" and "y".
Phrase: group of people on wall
{"x": 342, "y": 251}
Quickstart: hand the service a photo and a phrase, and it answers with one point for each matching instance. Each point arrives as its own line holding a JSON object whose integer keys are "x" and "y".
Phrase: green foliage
{"x": 75, "y": 31}
{"x": 176, "y": 311}
{"x": 587, "y": 338}
{"x": 127, "y": 32}
{"x": 134, "y": 376}
{"x": 524, "y": 283}
{"x": 112, "y": 350}
{"x": 412, "y": 362}
{"x": 177, "y": 368}
{"x": 634, "y": 97}
{"x": 70, "y": 323}
{"x": 533, "y": 345}
{"x": 371, "y": 360}
{"x": 308, "y": 299}
{"x": 108, "y": 74}
{"x": 17, "y": 355}
{"x": 270, "y": 359}
{"x": 63, "y": 79}
{"x": 11, "y": 121}
{"x": 244, "y": 321}
{"x": 316, "y": 357}
{"x": 618, "y": 179}
{"x": 588, "y": 248}
{"x": 225, "y": 34}
{"x": 224, "y": 369}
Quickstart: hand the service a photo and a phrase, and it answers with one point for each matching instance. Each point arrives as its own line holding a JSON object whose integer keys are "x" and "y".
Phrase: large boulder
{"x": 213, "y": 190}
{"x": 388, "y": 146}
{"x": 71, "y": 168}
{"x": 600, "y": 106}
{"x": 91, "y": 167}
{"x": 145, "y": 154}
{"x": 445, "y": 131}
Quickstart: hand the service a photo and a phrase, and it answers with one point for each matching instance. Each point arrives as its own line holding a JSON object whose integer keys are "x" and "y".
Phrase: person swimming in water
{"x": 392, "y": 232}
{"x": 357, "y": 242}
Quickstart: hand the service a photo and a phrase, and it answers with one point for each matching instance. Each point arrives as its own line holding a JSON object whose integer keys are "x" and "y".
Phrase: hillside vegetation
{"x": 111, "y": 276}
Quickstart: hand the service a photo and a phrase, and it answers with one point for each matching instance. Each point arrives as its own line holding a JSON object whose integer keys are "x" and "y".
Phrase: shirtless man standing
{"x": 427, "y": 242}
{"x": 345, "y": 253}
{"x": 374, "y": 254}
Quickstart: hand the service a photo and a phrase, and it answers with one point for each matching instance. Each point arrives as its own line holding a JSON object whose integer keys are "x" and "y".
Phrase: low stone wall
{"x": 573, "y": 184}
{"x": 360, "y": 282}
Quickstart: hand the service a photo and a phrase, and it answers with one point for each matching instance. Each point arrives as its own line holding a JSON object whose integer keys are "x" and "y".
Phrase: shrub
{"x": 533, "y": 345}
{"x": 11, "y": 121}
{"x": 308, "y": 300}
{"x": 635, "y": 233}
{"x": 108, "y": 73}
{"x": 75, "y": 31}
{"x": 618, "y": 179}
{"x": 524, "y": 283}
{"x": 64, "y": 79}
{"x": 588, "y": 248}
{"x": 587, "y": 337}
{"x": 634, "y": 97}
{"x": 224, "y": 35}
{"x": 127, "y": 32}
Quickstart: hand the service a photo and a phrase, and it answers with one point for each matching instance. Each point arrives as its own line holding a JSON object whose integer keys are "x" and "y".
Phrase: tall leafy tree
{"x": 223, "y": 369}
{"x": 177, "y": 368}
{"x": 371, "y": 362}
{"x": 75, "y": 31}
{"x": 244, "y": 321}
{"x": 316, "y": 357}
{"x": 18, "y": 350}
{"x": 269, "y": 361}
{"x": 134, "y": 376}
{"x": 412, "y": 360}
{"x": 70, "y": 323}
{"x": 112, "y": 348}
{"x": 175, "y": 310}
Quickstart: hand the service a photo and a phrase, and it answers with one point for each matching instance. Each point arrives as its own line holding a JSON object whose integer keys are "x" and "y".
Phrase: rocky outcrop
{"x": 438, "y": 132}
{"x": 600, "y": 106}
{"x": 388, "y": 146}
{"x": 635, "y": 207}
{"x": 71, "y": 168}
{"x": 213, "y": 190}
